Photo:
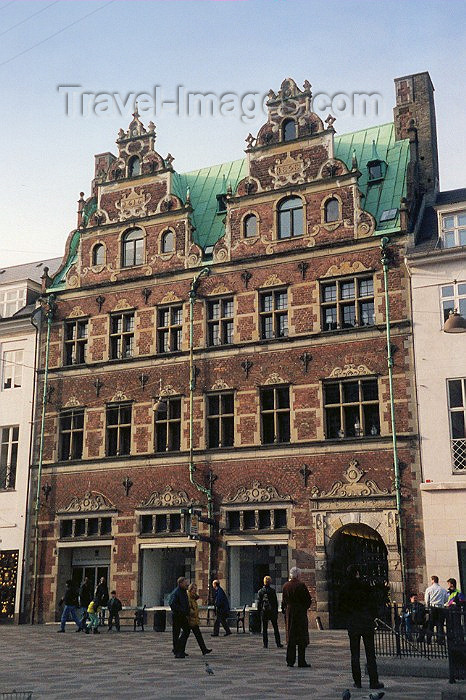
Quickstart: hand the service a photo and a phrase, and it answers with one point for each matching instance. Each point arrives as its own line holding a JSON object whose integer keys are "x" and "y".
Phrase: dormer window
{"x": 134, "y": 167}
{"x": 289, "y": 130}
{"x": 376, "y": 166}
{"x": 332, "y": 210}
{"x": 454, "y": 229}
{"x": 250, "y": 226}
{"x": 221, "y": 203}
{"x": 375, "y": 171}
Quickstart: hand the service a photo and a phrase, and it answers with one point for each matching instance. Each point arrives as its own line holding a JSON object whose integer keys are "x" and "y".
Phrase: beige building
{"x": 437, "y": 266}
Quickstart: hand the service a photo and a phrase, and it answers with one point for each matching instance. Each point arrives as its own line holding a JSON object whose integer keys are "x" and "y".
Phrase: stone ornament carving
{"x": 350, "y": 370}
{"x": 89, "y": 503}
{"x": 119, "y": 396}
{"x": 168, "y": 390}
{"x": 122, "y": 305}
{"x": 289, "y": 171}
{"x": 345, "y": 268}
{"x": 354, "y": 488}
{"x": 169, "y": 298}
{"x": 319, "y": 528}
{"x": 274, "y": 378}
{"x": 221, "y": 254}
{"x": 72, "y": 402}
{"x": 256, "y": 494}
{"x": 220, "y": 289}
{"x": 219, "y": 385}
{"x": 272, "y": 281}
{"x": 167, "y": 498}
{"x": 76, "y": 312}
{"x": 132, "y": 204}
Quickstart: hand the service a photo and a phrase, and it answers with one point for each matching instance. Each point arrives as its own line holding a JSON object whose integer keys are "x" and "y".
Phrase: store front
{"x": 162, "y": 564}
{"x": 248, "y": 563}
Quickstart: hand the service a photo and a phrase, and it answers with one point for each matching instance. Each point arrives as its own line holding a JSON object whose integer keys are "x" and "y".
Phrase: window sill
{"x": 86, "y": 538}
{"x": 150, "y": 535}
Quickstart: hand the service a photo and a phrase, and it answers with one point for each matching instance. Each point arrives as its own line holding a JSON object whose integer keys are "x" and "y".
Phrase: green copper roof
{"x": 204, "y": 185}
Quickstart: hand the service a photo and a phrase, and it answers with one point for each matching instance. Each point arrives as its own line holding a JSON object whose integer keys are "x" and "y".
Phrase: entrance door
{"x": 361, "y": 545}
{"x": 8, "y": 576}
{"x": 93, "y": 573}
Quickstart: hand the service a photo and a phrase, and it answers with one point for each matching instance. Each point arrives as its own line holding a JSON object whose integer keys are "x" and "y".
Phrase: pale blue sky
{"x": 340, "y": 46}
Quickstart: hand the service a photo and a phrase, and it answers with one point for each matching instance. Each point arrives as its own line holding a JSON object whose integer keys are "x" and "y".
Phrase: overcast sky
{"x": 167, "y": 48}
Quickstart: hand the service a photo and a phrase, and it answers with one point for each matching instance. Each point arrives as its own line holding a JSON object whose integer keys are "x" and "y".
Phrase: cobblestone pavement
{"x": 140, "y": 665}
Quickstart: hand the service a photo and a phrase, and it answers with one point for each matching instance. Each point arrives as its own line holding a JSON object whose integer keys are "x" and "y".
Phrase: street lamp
{"x": 455, "y": 323}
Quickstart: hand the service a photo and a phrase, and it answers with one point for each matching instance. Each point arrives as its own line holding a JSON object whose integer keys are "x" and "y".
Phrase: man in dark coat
{"x": 101, "y": 597}
{"x": 70, "y": 601}
{"x": 222, "y": 608}
{"x": 85, "y": 597}
{"x": 358, "y": 607}
{"x": 296, "y": 602}
{"x": 179, "y": 604}
{"x": 267, "y": 604}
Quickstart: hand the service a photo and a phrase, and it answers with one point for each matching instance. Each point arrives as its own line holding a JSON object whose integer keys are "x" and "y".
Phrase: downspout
{"x": 396, "y": 465}
{"x": 50, "y": 307}
{"x": 192, "y": 381}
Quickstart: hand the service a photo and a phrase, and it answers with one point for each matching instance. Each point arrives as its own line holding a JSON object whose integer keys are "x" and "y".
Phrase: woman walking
{"x": 193, "y": 618}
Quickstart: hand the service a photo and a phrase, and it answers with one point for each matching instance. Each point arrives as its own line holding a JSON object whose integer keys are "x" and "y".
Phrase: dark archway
{"x": 356, "y": 544}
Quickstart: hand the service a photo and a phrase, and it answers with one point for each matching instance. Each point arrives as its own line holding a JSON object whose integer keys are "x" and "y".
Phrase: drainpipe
{"x": 396, "y": 465}
{"x": 192, "y": 381}
{"x": 49, "y": 312}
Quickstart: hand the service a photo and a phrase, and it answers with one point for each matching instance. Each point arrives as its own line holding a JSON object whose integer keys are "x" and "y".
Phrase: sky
{"x": 236, "y": 50}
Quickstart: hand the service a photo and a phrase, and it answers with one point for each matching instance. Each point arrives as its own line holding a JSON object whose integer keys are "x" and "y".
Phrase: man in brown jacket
{"x": 295, "y": 603}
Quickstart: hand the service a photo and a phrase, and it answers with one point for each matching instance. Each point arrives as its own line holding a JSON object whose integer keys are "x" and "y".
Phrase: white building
{"x": 437, "y": 264}
{"x": 19, "y": 289}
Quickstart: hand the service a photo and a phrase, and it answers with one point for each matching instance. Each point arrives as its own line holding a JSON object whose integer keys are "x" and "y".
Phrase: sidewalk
{"x": 140, "y": 665}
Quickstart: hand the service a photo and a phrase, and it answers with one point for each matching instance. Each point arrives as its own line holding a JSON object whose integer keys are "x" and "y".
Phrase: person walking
{"x": 435, "y": 598}
{"x": 296, "y": 601}
{"x": 267, "y": 604}
{"x": 101, "y": 596}
{"x": 359, "y": 608}
{"x": 222, "y": 608}
{"x": 70, "y": 602}
{"x": 193, "y": 618}
{"x": 92, "y": 623}
{"x": 114, "y": 607}
{"x": 85, "y": 597}
{"x": 179, "y": 604}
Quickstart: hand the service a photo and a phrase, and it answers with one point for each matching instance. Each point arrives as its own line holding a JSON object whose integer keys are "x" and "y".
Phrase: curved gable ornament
{"x": 350, "y": 370}
{"x": 346, "y": 268}
{"x": 256, "y": 494}
{"x": 353, "y": 488}
{"x": 91, "y": 502}
{"x": 274, "y": 378}
{"x": 167, "y": 498}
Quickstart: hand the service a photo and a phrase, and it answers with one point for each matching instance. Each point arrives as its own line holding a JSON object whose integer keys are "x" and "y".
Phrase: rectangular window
{"x": 220, "y": 322}
{"x": 273, "y": 314}
{"x": 220, "y": 420}
{"x": 12, "y": 374}
{"x": 168, "y": 425}
{"x": 122, "y": 335}
{"x": 8, "y": 456}
{"x": 347, "y": 303}
{"x": 351, "y": 408}
{"x": 118, "y": 429}
{"x": 233, "y": 520}
{"x": 86, "y": 527}
{"x": 71, "y": 434}
{"x": 457, "y": 412}
{"x": 275, "y": 414}
{"x": 453, "y": 298}
{"x": 76, "y": 342}
{"x": 11, "y": 301}
{"x": 170, "y": 329}
{"x": 249, "y": 520}
{"x": 146, "y": 524}
{"x": 454, "y": 229}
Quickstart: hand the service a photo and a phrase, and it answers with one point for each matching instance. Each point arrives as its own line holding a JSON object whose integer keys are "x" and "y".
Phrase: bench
{"x": 133, "y": 616}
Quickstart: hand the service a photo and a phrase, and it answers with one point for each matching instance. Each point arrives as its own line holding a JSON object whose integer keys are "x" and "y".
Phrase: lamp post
{"x": 396, "y": 465}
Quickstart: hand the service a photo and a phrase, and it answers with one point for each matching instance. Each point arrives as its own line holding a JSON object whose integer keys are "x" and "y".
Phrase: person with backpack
{"x": 267, "y": 605}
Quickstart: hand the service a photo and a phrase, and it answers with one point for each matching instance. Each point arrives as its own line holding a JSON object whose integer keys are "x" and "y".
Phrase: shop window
{"x": 170, "y": 329}
{"x": 351, "y": 408}
{"x": 290, "y": 218}
{"x": 121, "y": 335}
{"x": 118, "y": 429}
{"x": 347, "y": 303}
{"x": 220, "y": 321}
{"x": 275, "y": 414}
{"x": 76, "y": 342}
{"x": 273, "y": 314}
{"x": 71, "y": 434}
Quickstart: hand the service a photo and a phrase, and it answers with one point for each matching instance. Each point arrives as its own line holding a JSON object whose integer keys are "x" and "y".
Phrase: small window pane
{"x": 367, "y": 317}
{"x": 106, "y": 526}
{"x": 449, "y": 240}
{"x": 366, "y": 288}
{"x": 214, "y": 310}
{"x": 250, "y": 226}
{"x": 448, "y": 222}
{"x": 268, "y": 433}
{"x": 249, "y": 520}
{"x": 280, "y": 518}
{"x": 351, "y": 414}
{"x": 66, "y": 528}
{"x": 332, "y": 393}
{"x": 266, "y": 302}
{"x": 461, "y": 289}
{"x": 298, "y": 222}
{"x": 168, "y": 242}
{"x": 462, "y": 236}
{"x": 370, "y": 390}
{"x": 462, "y": 219}
{"x": 332, "y": 210}
{"x": 333, "y": 422}
{"x": 283, "y": 398}
{"x": 233, "y": 520}
{"x": 349, "y": 316}
{"x": 80, "y": 527}
{"x": 175, "y": 522}
{"x": 283, "y": 421}
{"x": 457, "y": 424}
{"x": 92, "y": 526}
{"x": 161, "y": 523}
{"x": 350, "y": 392}
{"x": 289, "y": 130}
{"x": 214, "y": 405}
{"x": 281, "y": 300}
{"x": 146, "y": 524}
{"x": 329, "y": 292}
{"x": 267, "y": 399}
{"x": 347, "y": 290}
{"x": 448, "y": 291}
{"x": 227, "y": 403}
{"x": 264, "y": 519}
{"x": 371, "y": 420}
{"x": 330, "y": 318}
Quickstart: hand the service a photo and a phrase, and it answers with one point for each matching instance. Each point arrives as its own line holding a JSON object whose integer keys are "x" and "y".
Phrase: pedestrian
{"x": 267, "y": 604}
{"x": 454, "y": 604}
{"x": 222, "y": 608}
{"x": 296, "y": 601}
{"x": 102, "y": 597}
{"x": 455, "y": 597}
{"x": 435, "y": 598}
{"x": 114, "y": 606}
{"x": 92, "y": 623}
{"x": 193, "y": 618}
{"x": 414, "y": 616}
{"x": 70, "y": 602}
{"x": 179, "y": 604}
{"x": 85, "y": 597}
{"x": 359, "y": 608}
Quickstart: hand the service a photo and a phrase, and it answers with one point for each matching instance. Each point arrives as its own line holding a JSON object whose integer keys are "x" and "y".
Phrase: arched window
{"x": 98, "y": 254}
{"x": 289, "y": 131}
{"x": 168, "y": 242}
{"x": 134, "y": 167}
{"x": 133, "y": 248}
{"x": 332, "y": 210}
{"x": 290, "y": 218}
{"x": 250, "y": 226}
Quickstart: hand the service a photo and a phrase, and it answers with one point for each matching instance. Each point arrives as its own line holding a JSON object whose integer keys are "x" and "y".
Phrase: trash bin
{"x": 160, "y": 620}
{"x": 254, "y": 622}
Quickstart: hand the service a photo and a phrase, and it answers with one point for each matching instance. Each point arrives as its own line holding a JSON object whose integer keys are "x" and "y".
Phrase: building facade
{"x": 218, "y": 342}
{"x": 437, "y": 264}
{"x": 19, "y": 288}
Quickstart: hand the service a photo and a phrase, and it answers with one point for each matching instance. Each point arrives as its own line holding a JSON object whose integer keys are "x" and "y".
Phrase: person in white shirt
{"x": 435, "y": 598}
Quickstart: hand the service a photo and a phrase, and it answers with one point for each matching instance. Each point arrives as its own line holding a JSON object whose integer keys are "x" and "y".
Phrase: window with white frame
{"x": 12, "y": 369}
{"x": 457, "y": 411}
{"x": 453, "y": 297}
{"x": 9, "y": 437}
{"x": 453, "y": 230}
{"x": 11, "y": 300}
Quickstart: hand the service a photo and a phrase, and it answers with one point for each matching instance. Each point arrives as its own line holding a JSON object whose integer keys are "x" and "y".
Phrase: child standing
{"x": 114, "y": 606}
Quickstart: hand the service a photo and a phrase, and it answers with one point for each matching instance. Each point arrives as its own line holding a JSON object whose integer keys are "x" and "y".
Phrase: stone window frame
{"x": 166, "y": 512}
{"x": 8, "y": 456}
{"x": 220, "y": 417}
{"x": 275, "y": 313}
{"x": 174, "y": 330}
{"x": 118, "y": 428}
{"x": 119, "y": 338}
{"x": 12, "y": 369}
{"x": 222, "y": 322}
{"x": 331, "y": 225}
{"x": 341, "y": 301}
{"x": 97, "y": 246}
{"x": 361, "y": 403}
{"x": 85, "y": 535}
{"x": 277, "y": 218}
{"x": 457, "y": 444}
{"x": 71, "y": 432}
{"x": 168, "y": 422}
{"x": 131, "y": 162}
{"x": 163, "y": 235}
{"x": 77, "y": 343}
{"x": 126, "y": 265}
{"x": 276, "y": 411}
{"x": 243, "y": 224}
